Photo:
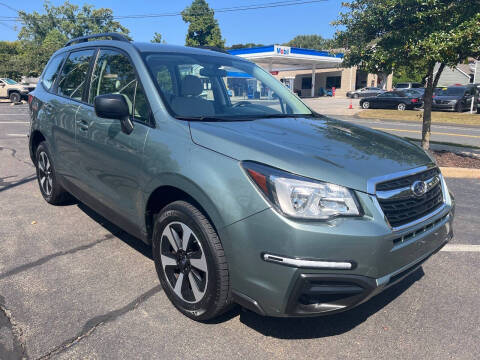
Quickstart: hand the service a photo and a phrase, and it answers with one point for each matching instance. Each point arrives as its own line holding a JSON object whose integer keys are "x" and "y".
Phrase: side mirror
{"x": 114, "y": 106}
{"x": 2, "y": 84}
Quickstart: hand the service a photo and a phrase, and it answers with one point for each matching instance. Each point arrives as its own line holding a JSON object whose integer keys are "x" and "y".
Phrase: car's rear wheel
{"x": 355, "y": 96}
{"x": 15, "y": 97}
{"x": 401, "y": 106}
{"x": 366, "y": 105}
{"x": 190, "y": 262}
{"x": 51, "y": 190}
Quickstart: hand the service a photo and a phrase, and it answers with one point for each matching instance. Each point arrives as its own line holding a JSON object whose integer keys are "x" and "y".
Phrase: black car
{"x": 400, "y": 100}
{"x": 455, "y": 98}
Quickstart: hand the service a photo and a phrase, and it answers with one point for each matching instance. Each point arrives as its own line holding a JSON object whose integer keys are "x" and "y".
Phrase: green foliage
{"x": 42, "y": 34}
{"x": 9, "y": 60}
{"x": 242, "y": 46}
{"x": 386, "y": 35}
{"x": 312, "y": 42}
{"x": 157, "y": 38}
{"x": 203, "y": 28}
{"x": 407, "y": 74}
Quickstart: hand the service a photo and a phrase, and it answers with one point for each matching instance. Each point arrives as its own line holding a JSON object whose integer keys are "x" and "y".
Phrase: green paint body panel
{"x": 116, "y": 174}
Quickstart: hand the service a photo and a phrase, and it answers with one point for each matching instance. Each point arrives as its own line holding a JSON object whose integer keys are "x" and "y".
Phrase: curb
{"x": 460, "y": 173}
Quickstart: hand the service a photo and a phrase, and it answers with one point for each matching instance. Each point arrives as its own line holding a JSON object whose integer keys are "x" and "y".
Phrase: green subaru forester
{"x": 245, "y": 195}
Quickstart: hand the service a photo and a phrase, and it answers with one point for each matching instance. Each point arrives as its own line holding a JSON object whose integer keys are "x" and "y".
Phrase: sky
{"x": 264, "y": 26}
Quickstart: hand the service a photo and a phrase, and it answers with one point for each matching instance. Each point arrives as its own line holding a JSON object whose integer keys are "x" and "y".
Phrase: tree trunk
{"x": 432, "y": 81}
{"x": 427, "y": 111}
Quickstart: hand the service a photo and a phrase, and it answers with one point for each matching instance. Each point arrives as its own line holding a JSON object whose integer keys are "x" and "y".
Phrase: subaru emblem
{"x": 419, "y": 188}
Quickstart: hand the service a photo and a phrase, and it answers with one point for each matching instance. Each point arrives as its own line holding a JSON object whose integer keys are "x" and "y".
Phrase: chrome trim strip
{"x": 312, "y": 264}
{"x": 372, "y": 182}
{"x": 406, "y": 191}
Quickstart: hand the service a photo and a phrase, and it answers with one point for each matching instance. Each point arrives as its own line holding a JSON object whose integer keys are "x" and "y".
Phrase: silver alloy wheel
{"x": 45, "y": 175}
{"x": 401, "y": 107}
{"x": 183, "y": 261}
{"x": 366, "y": 105}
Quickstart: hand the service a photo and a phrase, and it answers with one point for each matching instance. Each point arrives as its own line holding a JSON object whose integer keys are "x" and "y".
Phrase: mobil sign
{"x": 282, "y": 50}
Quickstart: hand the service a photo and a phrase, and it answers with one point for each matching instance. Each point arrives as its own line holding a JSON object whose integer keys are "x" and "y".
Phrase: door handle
{"x": 82, "y": 124}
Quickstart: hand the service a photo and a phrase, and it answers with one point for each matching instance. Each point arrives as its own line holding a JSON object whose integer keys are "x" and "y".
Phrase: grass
{"x": 416, "y": 116}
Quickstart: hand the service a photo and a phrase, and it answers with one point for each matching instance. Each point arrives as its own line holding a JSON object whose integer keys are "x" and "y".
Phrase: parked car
{"x": 401, "y": 100}
{"x": 263, "y": 203}
{"x": 364, "y": 92}
{"x": 408, "y": 85}
{"x": 13, "y": 90}
{"x": 456, "y": 98}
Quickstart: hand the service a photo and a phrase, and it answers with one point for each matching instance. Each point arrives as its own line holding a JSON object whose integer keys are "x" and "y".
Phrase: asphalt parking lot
{"x": 74, "y": 286}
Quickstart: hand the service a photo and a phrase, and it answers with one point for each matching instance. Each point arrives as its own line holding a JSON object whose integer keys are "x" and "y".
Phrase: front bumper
{"x": 445, "y": 107}
{"x": 380, "y": 257}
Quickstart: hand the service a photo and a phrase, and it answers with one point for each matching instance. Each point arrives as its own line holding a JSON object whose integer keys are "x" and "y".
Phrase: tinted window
{"x": 416, "y": 85}
{"x": 51, "y": 71}
{"x": 402, "y": 86}
{"x": 451, "y": 91}
{"x": 387, "y": 95}
{"x": 74, "y": 74}
{"x": 114, "y": 74}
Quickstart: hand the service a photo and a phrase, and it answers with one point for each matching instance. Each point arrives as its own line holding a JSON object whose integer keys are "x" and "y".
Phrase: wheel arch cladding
{"x": 35, "y": 139}
{"x": 164, "y": 195}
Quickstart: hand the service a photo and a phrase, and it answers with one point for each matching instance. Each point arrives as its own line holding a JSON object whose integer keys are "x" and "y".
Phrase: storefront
{"x": 307, "y": 72}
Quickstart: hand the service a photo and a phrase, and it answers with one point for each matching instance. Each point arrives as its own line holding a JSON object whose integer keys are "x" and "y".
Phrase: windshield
{"x": 204, "y": 87}
{"x": 451, "y": 91}
{"x": 10, "y": 81}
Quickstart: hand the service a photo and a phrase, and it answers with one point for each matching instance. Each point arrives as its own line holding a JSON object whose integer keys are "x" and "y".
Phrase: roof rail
{"x": 114, "y": 36}
{"x": 212, "y": 48}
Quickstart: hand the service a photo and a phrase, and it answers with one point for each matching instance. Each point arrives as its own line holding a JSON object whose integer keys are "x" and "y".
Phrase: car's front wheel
{"x": 356, "y": 96}
{"x": 366, "y": 105}
{"x": 401, "y": 106}
{"x": 50, "y": 188}
{"x": 190, "y": 262}
{"x": 15, "y": 97}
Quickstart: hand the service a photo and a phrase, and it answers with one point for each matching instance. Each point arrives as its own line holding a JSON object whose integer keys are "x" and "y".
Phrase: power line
{"x": 179, "y": 13}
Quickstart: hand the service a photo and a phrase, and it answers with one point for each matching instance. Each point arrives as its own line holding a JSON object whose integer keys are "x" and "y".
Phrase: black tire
{"x": 402, "y": 107}
{"x": 356, "y": 96}
{"x": 51, "y": 190}
{"x": 15, "y": 97}
{"x": 365, "y": 105}
{"x": 216, "y": 297}
{"x": 459, "y": 107}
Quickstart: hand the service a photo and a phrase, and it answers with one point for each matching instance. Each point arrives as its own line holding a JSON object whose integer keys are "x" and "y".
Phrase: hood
{"x": 456, "y": 97}
{"x": 323, "y": 148}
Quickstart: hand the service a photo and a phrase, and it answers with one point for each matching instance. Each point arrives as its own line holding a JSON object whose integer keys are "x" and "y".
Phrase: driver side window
{"x": 114, "y": 74}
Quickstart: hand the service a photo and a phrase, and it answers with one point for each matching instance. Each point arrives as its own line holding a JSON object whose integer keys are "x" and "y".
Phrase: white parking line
{"x": 461, "y": 248}
{"x": 14, "y": 122}
{"x": 22, "y": 135}
{"x": 21, "y": 114}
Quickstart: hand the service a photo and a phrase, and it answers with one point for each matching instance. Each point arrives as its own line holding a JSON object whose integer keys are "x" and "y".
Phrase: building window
{"x": 306, "y": 83}
{"x": 334, "y": 81}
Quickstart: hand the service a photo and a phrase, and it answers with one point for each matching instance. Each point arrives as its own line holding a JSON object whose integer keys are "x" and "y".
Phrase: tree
{"x": 312, "y": 42}
{"x": 42, "y": 34}
{"x": 203, "y": 28}
{"x": 157, "y": 38}
{"x": 243, "y": 46}
{"x": 416, "y": 34}
{"x": 9, "y": 59}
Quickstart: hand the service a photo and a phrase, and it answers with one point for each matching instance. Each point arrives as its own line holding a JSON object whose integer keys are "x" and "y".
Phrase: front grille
{"x": 401, "y": 211}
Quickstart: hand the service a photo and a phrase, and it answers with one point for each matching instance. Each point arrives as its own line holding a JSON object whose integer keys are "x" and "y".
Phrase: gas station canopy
{"x": 284, "y": 58}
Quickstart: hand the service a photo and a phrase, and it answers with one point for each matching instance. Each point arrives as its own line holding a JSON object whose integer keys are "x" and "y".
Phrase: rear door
{"x": 112, "y": 162}
{"x": 63, "y": 108}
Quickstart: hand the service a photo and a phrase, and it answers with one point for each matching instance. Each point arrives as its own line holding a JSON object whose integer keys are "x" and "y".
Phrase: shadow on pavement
{"x": 325, "y": 326}
{"x": 128, "y": 239}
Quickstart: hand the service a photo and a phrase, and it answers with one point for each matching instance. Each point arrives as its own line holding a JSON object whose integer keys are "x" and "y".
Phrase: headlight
{"x": 301, "y": 197}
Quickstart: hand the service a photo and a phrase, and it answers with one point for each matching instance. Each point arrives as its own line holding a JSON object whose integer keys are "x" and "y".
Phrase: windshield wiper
{"x": 212, "y": 118}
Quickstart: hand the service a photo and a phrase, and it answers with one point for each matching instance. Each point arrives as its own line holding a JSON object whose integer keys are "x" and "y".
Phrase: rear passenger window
{"x": 51, "y": 71}
{"x": 114, "y": 74}
{"x": 74, "y": 74}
